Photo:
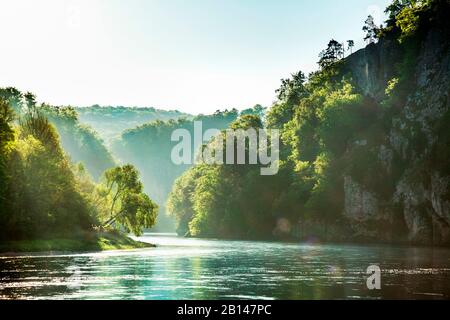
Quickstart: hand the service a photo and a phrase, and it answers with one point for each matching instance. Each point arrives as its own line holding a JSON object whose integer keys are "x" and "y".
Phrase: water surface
{"x": 207, "y": 269}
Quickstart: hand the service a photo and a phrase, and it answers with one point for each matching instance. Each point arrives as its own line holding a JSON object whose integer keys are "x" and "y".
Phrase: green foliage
{"x": 327, "y": 192}
{"x": 329, "y": 131}
{"x": 236, "y": 201}
{"x": 391, "y": 86}
{"x": 340, "y": 117}
{"x": 257, "y": 110}
{"x": 42, "y": 194}
{"x": 371, "y": 30}
{"x": 110, "y": 122}
{"x": 13, "y": 97}
{"x": 331, "y": 54}
{"x": 6, "y": 138}
{"x": 289, "y": 95}
{"x": 130, "y": 208}
{"x": 179, "y": 203}
{"x": 408, "y": 21}
{"x": 292, "y": 90}
{"x": 246, "y": 122}
{"x": 408, "y": 17}
{"x": 149, "y": 148}
{"x": 207, "y": 210}
{"x": 79, "y": 141}
{"x": 42, "y": 198}
{"x": 350, "y": 45}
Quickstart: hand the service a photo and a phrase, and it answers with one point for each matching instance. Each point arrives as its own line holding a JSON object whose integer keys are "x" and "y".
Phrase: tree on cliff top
{"x": 331, "y": 54}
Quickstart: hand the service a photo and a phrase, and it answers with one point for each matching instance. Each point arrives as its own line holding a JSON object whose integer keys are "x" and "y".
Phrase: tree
{"x": 130, "y": 207}
{"x": 30, "y": 101}
{"x": 13, "y": 97}
{"x": 80, "y": 141}
{"x": 350, "y": 46}
{"x": 395, "y": 8}
{"x": 258, "y": 110}
{"x": 6, "y": 137}
{"x": 371, "y": 30}
{"x": 35, "y": 123}
{"x": 292, "y": 90}
{"x": 331, "y": 54}
{"x": 41, "y": 191}
{"x": 289, "y": 94}
{"x": 247, "y": 121}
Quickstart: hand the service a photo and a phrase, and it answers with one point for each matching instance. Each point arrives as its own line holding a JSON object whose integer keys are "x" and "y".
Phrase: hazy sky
{"x": 195, "y": 56}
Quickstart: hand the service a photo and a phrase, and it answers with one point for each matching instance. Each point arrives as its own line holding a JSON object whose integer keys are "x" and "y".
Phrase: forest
{"x": 47, "y": 195}
{"x": 149, "y": 147}
{"x": 364, "y": 153}
{"x": 110, "y": 122}
{"x": 359, "y": 146}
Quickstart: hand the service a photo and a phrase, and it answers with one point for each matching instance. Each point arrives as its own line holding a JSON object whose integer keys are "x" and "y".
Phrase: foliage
{"x": 371, "y": 30}
{"x": 42, "y": 194}
{"x": 329, "y": 131}
{"x": 350, "y": 45}
{"x": 111, "y": 121}
{"x": 42, "y": 199}
{"x": 130, "y": 207}
{"x": 149, "y": 148}
{"x": 6, "y": 139}
{"x": 79, "y": 141}
{"x": 331, "y": 54}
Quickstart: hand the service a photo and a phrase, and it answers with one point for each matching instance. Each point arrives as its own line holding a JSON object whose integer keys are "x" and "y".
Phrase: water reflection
{"x": 207, "y": 269}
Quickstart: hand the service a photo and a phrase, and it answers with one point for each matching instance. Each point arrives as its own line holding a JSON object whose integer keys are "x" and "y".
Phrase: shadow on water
{"x": 207, "y": 269}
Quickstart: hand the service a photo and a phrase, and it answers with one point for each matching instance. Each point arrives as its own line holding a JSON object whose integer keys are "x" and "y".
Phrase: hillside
{"x": 48, "y": 202}
{"x": 111, "y": 122}
{"x": 365, "y": 147}
{"x": 149, "y": 147}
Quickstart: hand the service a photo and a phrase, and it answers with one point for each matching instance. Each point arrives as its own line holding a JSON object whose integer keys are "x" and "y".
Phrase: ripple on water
{"x": 211, "y": 269}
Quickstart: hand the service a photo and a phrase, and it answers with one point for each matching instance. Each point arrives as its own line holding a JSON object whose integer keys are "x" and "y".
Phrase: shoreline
{"x": 318, "y": 241}
{"x": 90, "y": 242}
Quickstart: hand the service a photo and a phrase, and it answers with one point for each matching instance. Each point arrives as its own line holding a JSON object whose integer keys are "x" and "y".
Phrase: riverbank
{"x": 89, "y": 242}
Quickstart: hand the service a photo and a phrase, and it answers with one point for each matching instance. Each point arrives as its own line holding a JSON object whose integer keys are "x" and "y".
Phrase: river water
{"x": 182, "y": 268}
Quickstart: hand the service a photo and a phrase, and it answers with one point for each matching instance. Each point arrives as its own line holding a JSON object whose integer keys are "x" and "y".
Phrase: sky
{"x": 196, "y": 56}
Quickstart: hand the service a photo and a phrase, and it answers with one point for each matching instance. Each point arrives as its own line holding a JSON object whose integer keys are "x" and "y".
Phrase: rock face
{"x": 373, "y": 66}
{"x": 420, "y": 196}
{"x": 360, "y": 204}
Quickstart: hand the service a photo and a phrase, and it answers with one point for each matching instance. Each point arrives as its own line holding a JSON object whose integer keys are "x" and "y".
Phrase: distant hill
{"x": 80, "y": 142}
{"x": 110, "y": 122}
{"x": 149, "y": 146}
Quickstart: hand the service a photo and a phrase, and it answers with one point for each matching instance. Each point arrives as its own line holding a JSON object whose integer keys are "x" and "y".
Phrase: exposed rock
{"x": 372, "y": 67}
{"x": 360, "y": 205}
{"x": 422, "y": 194}
{"x": 386, "y": 157}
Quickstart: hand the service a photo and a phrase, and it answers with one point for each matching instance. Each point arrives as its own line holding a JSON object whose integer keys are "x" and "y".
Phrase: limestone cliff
{"x": 412, "y": 152}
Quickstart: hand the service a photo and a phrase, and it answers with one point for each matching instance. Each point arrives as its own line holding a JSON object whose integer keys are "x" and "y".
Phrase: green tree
{"x": 130, "y": 208}
{"x": 13, "y": 97}
{"x": 79, "y": 141}
{"x": 6, "y": 138}
{"x": 292, "y": 90}
{"x": 350, "y": 45}
{"x": 371, "y": 30}
{"x": 290, "y": 93}
{"x": 396, "y": 7}
{"x": 258, "y": 110}
{"x": 331, "y": 54}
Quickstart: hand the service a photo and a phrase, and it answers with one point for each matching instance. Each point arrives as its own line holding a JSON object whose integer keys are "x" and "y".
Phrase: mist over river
{"x": 180, "y": 268}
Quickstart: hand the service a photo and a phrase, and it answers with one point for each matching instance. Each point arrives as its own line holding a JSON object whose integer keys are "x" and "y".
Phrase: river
{"x": 182, "y": 268}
